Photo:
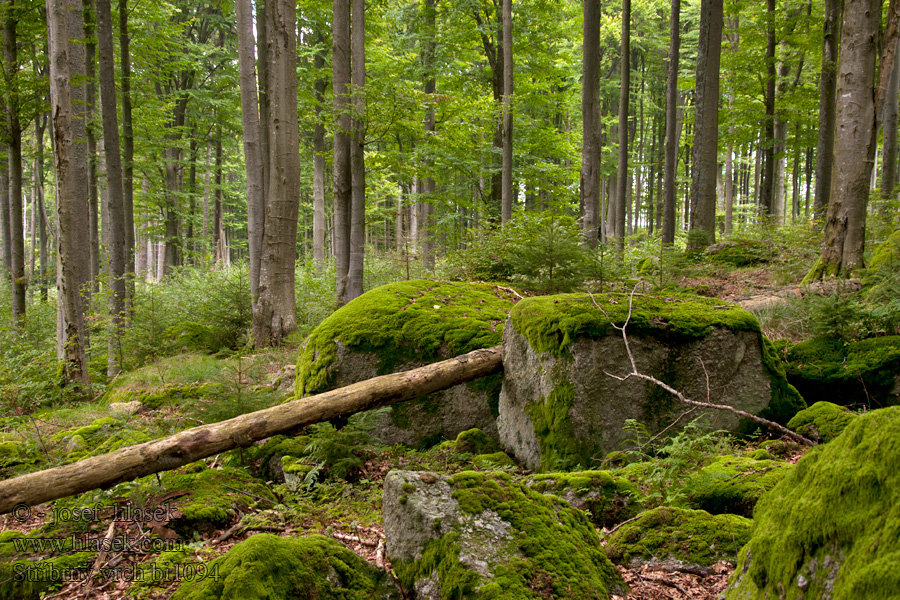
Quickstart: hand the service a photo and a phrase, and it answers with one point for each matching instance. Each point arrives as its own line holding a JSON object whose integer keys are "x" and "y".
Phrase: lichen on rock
{"x": 831, "y": 528}
{"x": 405, "y": 325}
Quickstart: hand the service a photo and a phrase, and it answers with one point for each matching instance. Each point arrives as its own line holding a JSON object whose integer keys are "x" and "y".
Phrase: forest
{"x": 462, "y": 299}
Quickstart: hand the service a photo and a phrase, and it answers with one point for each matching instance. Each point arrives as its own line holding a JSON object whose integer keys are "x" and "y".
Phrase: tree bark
{"x": 624, "y": 94}
{"x": 767, "y": 185}
{"x": 590, "y": 117}
{"x": 275, "y": 312}
{"x": 251, "y": 134}
{"x": 423, "y": 208}
{"x": 827, "y": 106}
{"x": 342, "y": 178}
{"x": 197, "y": 443}
{"x": 319, "y": 150}
{"x": 6, "y": 247}
{"x": 127, "y": 148}
{"x": 357, "y": 153}
{"x": 506, "y": 191}
{"x": 706, "y": 127}
{"x": 97, "y": 242}
{"x": 670, "y": 173}
{"x": 66, "y": 62}
{"x": 117, "y": 238}
{"x": 14, "y": 148}
{"x": 890, "y": 119}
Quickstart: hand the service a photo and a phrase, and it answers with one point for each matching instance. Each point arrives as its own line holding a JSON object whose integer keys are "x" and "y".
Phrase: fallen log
{"x": 193, "y": 444}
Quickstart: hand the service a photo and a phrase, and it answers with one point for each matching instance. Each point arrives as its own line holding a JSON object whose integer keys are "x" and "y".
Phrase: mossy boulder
{"x": 560, "y": 407}
{"x": 406, "y": 325}
{"x": 831, "y": 528}
{"x": 265, "y": 567}
{"x": 480, "y": 535}
{"x": 738, "y": 253}
{"x": 607, "y": 498}
{"x": 678, "y": 537}
{"x": 733, "y": 484}
{"x": 494, "y": 461}
{"x": 863, "y": 373}
{"x": 822, "y": 422}
{"x": 475, "y": 441}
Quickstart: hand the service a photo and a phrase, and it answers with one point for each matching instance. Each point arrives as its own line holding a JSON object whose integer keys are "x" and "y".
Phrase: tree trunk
{"x": 218, "y": 241}
{"x": 424, "y": 206}
{"x": 251, "y": 133}
{"x": 14, "y": 148}
{"x": 319, "y": 150}
{"x": 275, "y": 312}
{"x": 66, "y": 61}
{"x": 624, "y": 94}
{"x": 506, "y": 192}
{"x": 706, "y": 127}
{"x": 357, "y": 153}
{"x": 827, "y": 107}
{"x": 342, "y": 195}
{"x": 194, "y": 444}
{"x": 670, "y": 173}
{"x": 590, "y": 117}
{"x": 127, "y": 148}
{"x": 890, "y": 119}
{"x": 117, "y": 238}
{"x": 6, "y": 248}
{"x": 767, "y": 186}
{"x": 90, "y": 108}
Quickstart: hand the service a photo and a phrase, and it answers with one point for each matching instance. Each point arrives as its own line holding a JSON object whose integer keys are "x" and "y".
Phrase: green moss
{"x": 887, "y": 254}
{"x": 266, "y": 567}
{"x": 404, "y": 322}
{"x": 495, "y": 460}
{"x": 552, "y": 323}
{"x": 475, "y": 441}
{"x": 694, "y": 537}
{"x": 32, "y": 579}
{"x": 733, "y": 484}
{"x": 834, "y": 520}
{"x": 863, "y": 372}
{"x": 761, "y": 454}
{"x": 608, "y": 498}
{"x": 740, "y": 253}
{"x": 823, "y": 421}
{"x": 558, "y": 548}
{"x": 560, "y": 448}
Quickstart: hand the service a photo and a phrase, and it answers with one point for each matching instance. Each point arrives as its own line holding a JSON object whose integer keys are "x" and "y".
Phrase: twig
{"x": 510, "y": 290}
{"x": 670, "y": 425}
{"x": 249, "y": 494}
{"x": 379, "y": 554}
{"x": 634, "y": 518}
{"x": 353, "y": 538}
{"x": 665, "y": 581}
{"x": 635, "y": 373}
{"x": 101, "y": 556}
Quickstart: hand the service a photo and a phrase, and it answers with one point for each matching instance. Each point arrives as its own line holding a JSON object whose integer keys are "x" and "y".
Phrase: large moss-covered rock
{"x": 823, "y": 421}
{"x": 266, "y": 567}
{"x": 865, "y": 373}
{"x": 26, "y": 570}
{"x": 406, "y": 325}
{"x": 831, "y": 528}
{"x": 607, "y": 498}
{"x": 480, "y": 535}
{"x": 559, "y": 406}
{"x": 678, "y": 537}
{"x": 733, "y": 484}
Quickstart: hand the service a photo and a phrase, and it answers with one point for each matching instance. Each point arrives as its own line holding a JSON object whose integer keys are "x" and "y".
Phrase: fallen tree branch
{"x": 191, "y": 445}
{"x": 635, "y": 373}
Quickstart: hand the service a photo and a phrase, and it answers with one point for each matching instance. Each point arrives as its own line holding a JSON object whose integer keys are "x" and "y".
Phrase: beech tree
{"x": 14, "y": 150}
{"x": 670, "y": 172}
{"x": 590, "y": 118}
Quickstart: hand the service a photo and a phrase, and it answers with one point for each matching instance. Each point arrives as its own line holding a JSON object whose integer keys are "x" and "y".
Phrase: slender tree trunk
{"x": 14, "y": 148}
{"x": 671, "y": 166}
{"x": 40, "y": 124}
{"x": 5, "y": 212}
{"x": 424, "y": 205}
{"x": 342, "y": 178}
{"x": 275, "y": 312}
{"x": 827, "y": 106}
{"x": 706, "y": 127}
{"x": 127, "y": 149}
{"x": 66, "y": 61}
{"x": 218, "y": 241}
{"x": 590, "y": 116}
{"x": 890, "y": 119}
{"x": 90, "y": 131}
{"x": 252, "y": 145}
{"x": 767, "y": 188}
{"x": 624, "y": 94}
{"x": 117, "y": 242}
{"x": 357, "y": 153}
{"x": 319, "y": 150}
{"x": 506, "y": 193}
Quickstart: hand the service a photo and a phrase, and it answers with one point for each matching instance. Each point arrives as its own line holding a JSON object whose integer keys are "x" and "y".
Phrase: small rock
{"x": 126, "y": 408}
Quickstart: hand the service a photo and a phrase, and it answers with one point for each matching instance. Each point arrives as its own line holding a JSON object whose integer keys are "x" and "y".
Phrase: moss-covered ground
{"x": 733, "y": 484}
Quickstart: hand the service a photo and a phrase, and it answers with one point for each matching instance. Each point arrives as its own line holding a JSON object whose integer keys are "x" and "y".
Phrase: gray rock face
{"x": 588, "y": 408}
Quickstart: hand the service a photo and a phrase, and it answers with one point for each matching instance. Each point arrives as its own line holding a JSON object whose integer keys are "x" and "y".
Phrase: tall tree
{"x": 14, "y": 148}
{"x": 859, "y": 101}
{"x": 706, "y": 126}
{"x": 64, "y": 22}
{"x": 624, "y": 94}
{"x": 116, "y": 203}
{"x": 590, "y": 116}
{"x": 275, "y": 311}
{"x": 767, "y": 186}
{"x": 890, "y": 119}
{"x": 319, "y": 158}
{"x": 127, "y": 145}
{"x": 340, "y": 82}
{"x": 424, "y": 206}
{"x": 506, "y": 192}
{"x": 357, "y": 152}
{"x": 670, "y": 172}
{"x": 827, "y": 106}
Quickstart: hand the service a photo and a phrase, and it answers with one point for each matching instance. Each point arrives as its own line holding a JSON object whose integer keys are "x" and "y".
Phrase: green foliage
{"x": 693, "y": 537}
{"x": 846, "y": 538}
{"x": 340, "y": 452}
{"x": 823, "y": 421}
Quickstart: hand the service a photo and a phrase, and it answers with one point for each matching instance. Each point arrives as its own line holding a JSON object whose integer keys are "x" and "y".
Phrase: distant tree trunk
{"x": 357, "y": 153}
{"x": 506, "y": 193}
{"x": 117, "y": 253}
{"x": 275, "y": 312}
{"x": 857, "y": 133}
{"x": 767, "y": 187}
{"x": 14, "y": 133}
{"x": 624, "y": 94}
{"x": 319, "y": 163}
{"x": 590, "y": 117}
{"x": 670, "y": 173}
{"x": 423, "y": 207}
{"x": 890, "y": 119}
{"x": 127, "y": 148}
{"x": 827, "y": 106}
{"x": 218, "y": 241}
{"x": 251, "y": 132}
{"x": 706, "y": 127}
{"x": 64, "y": 21}
{"x": 40, "y": 123}
{"x": 6, "y": 248}
{"x": 342, "y": 195}
{"x": 93, "y": 159}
